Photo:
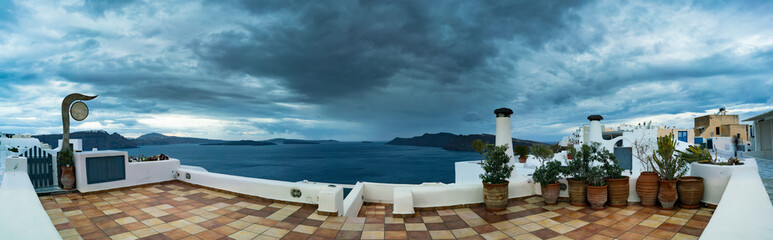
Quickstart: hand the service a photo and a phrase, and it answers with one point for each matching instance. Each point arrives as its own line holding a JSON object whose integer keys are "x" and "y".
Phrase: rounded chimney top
{"x": 503, "y": 112}
{"x": 595, "y": 117}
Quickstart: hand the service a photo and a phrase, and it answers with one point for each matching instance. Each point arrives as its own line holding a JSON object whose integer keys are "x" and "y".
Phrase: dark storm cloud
{"x": 380, "y": 69}
{"x": 327, "y": 50}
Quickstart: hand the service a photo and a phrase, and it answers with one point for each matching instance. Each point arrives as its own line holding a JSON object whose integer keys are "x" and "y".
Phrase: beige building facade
{"x": 684, "y": 135}
{"x": 720, "y": 126}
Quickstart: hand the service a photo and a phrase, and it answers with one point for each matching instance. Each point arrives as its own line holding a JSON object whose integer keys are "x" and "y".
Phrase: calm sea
{"x": 345, "y": 162}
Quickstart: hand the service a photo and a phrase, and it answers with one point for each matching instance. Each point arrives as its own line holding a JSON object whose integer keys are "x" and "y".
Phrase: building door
{"x": 682, "y": 136}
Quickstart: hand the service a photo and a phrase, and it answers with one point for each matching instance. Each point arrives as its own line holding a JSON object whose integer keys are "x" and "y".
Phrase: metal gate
{"x": 40, "y": 167}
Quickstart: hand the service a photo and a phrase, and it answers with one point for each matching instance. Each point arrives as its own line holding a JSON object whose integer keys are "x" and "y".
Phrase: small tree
{"x": 542, "y": 152}
{"x": 547, "y": 173}
{"x": 495, "y": 167}
{"x": 522, "y": 151}
{"x": 595, "y": 176}
{"x": 479, "y": 147}
{"x": 642, "y": 149}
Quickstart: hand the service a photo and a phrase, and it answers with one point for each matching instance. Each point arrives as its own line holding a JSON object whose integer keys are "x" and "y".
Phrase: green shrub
{"x": 64, "y": 158}
{"x": 547, "y": 173}
{"x": 542, "y": 152}
{"x": 595, "y": 176}
{"x": 495, "y": 165}
{"x": 522, "y": 151}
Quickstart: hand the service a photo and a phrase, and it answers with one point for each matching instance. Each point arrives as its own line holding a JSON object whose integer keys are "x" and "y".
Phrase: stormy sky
{"x": 374, "y": 70}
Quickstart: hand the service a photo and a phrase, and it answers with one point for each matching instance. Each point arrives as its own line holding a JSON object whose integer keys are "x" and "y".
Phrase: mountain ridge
{"x": 453, "y": 142}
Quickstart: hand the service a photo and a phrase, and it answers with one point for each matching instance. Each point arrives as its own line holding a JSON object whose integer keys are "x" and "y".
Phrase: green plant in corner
{"x": 522, "y": 151}
{"x": 697, "y": 154}
{"x": 668, "y": 165}
{"x": 610, "y": 164}
{"x": 479, "y": 147}
{"x": 595, "y": 176}
{"x": 542, "y": 152}
{"x": 577, "y": 167}
{"x": 547, "y": 173}
{"x": 64, "y": 158}
{"x": 495, "y": 167}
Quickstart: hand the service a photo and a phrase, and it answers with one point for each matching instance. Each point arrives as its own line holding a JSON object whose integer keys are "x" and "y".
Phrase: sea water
{"x": 343, "y": 162}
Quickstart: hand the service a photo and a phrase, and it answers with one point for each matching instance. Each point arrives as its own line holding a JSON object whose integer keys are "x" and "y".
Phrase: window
{"x": 717, "y": 130}
{"x": 682, "y": 136}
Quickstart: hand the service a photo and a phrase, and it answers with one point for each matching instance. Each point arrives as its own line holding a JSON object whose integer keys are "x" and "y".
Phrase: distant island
{"x": 161, "y": 139}
{"x": 91, "y": 139}
{"x": 242, "y": 143}
{"x": 298, "y": 141}
{"x": 453, "y": 142}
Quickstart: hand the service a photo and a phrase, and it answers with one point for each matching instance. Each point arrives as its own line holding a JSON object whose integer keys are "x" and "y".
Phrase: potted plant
{"x": 690, "y": 189}
{"x": 618, "y": 184}
{"x": 669, "y": 167}
{"x": 576, "y": 170}
{"x": 597, "y": 187}
{"x": 65, "y": 162}
{"x": 647, "y": 183}
{"x": 522, "y": 152}
{"x": 547, "y": 176}
{"x": 543, "y": 153}
{"x": 496, "y": 172}
{"x": 571, "y": 152}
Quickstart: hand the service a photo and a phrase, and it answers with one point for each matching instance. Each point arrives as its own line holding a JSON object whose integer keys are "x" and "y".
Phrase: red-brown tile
{"x": 545, "y": 233}
{"x": 660, "y": 233}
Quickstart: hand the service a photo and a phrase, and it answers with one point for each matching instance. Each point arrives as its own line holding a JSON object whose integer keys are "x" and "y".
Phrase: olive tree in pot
{"x": 547, "y": 176}
{"x": 496, "y": 172}
{"x": 576, "y": 170}
{"x": 690, "y": 189}
{"x": 597, "y": 188}
{"x": 669, "y": 167}
{"x": 522, "y": 152}
{"x": 64, "y": 158}
{"x": 618, "y": 184}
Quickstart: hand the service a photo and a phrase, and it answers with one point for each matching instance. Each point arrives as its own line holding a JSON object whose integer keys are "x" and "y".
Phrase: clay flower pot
{"x": 495, "y": 196}
{"x": 577, "y": 192}
{"x": 597, "y": 197}
{"x": 647, "y": 188}
{"x": 68, "y": 177}
{"x": 690, "y": 190}
{"x": 618, "y": 192}
{"x": 569, "y": 156}
{"x": 550, "y": 193}
{"x": 667, "y": 194}
{"x": 522, "y": 159}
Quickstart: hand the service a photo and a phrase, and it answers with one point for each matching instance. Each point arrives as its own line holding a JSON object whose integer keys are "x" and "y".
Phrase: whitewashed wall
{"x": 22, "y": 216}
{"x": 137, "y": 173}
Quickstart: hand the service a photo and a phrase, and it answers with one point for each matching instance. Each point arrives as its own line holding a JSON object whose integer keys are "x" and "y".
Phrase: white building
{"x": 762, "y": 135}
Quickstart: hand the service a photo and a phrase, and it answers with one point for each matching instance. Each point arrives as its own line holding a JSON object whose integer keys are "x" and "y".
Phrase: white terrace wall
{"x": 137, "y": 173}
{"x": 329, "y": 199}
{"x": 21, "y": 214}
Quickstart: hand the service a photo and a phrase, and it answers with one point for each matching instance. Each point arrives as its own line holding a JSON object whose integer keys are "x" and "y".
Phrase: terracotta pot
{"x": 690, "y": 190}
{"x": 577, "y": 193}
{"x": 667, "y": 194}
{"x": 495, "y": 196}
{"x": 522, "y": 159}
{"x": 569, "y": 156}
{"x": 550, "y": 193}
{"x": 68, "y": 178}
{"x": 647, "y": 188}
{"x": 618, "y": 192}
{"x": 597, "y": 197}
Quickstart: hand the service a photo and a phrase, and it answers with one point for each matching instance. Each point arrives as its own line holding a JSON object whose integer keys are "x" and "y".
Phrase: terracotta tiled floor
{"x": 176, "y": 210}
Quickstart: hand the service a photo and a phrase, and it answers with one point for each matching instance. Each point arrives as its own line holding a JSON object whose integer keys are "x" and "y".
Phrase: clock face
{"x": 79, "y": 111}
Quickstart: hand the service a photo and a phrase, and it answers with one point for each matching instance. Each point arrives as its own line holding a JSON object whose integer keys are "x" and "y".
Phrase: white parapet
{"x": 353, "y": 201}
{"x": 331, "y": 200}
{"x": 136, "y": 173}
{"x": 22, "y": 216}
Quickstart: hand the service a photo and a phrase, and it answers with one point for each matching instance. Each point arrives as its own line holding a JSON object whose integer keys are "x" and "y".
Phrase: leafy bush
{"x": 610, "y": 164}
{"x": 547, "y": 173}
{"x": 64, "y": 158}
{"x": 495, "y": 165}
{"x": 521, "y": 150}
{"x": 668, "y": 165}
{"x": 595, "y": 176}
{"x": 479, "y": 147}
{"x": 542, "y": 152}
{"x": 577, "y": 167}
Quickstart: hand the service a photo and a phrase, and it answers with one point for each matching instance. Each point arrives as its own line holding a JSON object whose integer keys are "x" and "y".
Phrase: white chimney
{"x": 504, "y": 134}
{"x": 594, "y": 134}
